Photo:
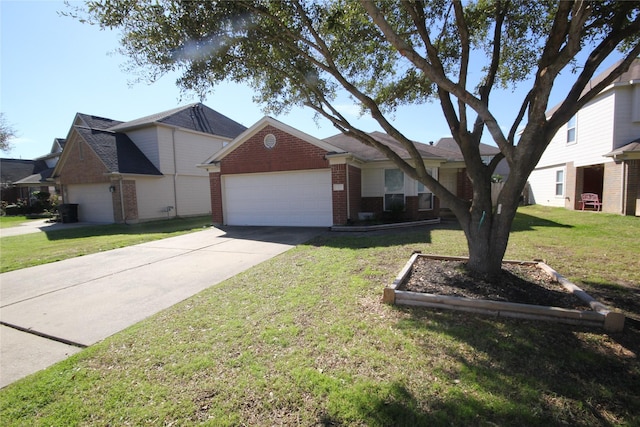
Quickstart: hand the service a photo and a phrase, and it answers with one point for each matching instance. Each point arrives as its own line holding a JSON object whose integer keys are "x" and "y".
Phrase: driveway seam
{"x": 43, "y": 335}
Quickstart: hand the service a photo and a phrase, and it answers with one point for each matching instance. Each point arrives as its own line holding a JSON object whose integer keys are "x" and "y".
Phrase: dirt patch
{"x": 517, "y": 283}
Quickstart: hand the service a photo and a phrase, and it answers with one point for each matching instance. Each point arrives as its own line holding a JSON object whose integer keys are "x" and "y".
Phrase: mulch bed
{"x": 518, "y": 283}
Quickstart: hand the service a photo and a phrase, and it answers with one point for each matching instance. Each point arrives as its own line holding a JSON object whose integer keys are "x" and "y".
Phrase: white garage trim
{"x": 94, "y": 202}
{"x": 300, "y": 198}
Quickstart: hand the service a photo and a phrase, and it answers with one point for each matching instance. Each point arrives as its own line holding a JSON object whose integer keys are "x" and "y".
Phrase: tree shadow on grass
{"x": 524, "y": 222}
{"x": 545, "y": 373}
{"x": 74, "y": 231}
{"x": 381, "y": 238}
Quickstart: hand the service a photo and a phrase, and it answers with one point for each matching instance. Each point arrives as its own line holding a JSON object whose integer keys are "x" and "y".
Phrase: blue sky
{"x": 52, "y": 67}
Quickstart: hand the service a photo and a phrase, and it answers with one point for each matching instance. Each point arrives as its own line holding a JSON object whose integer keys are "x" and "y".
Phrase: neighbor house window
{"x": 425, "y": 198}
{"x": 559, "y": 183}
{"x": 393, "y": 189}
{"x": 571, "y": 130}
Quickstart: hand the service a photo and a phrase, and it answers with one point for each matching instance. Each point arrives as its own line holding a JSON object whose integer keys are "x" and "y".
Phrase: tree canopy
{"x": 6, "y": 134}
{"x": 385, "y": 54}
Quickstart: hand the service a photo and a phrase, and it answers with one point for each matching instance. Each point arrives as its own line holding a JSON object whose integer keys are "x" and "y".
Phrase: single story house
{"x": 143, "y": 169}
{"x": 274, "y": 174}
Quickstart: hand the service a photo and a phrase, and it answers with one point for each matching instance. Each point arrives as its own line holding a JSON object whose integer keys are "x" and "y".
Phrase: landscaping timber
{"x": 599, "y": 316}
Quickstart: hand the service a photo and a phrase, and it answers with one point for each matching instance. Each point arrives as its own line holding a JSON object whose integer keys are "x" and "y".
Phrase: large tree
{"x": 388, "y": 53}
{"x": 6, "y": 134}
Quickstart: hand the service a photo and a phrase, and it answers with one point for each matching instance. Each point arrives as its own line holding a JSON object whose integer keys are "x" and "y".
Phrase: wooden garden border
{"x": 599, "y": 315}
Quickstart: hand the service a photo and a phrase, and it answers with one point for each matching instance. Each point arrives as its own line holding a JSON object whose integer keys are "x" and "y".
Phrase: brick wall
{"x": 130, "y": 198}
{"x": 215, "y": 185}
{"x": 612, "y": 195}
{"x": 339, "y": 177}
{"x": 290, "y": 153}
{"x": 82, "y": 165}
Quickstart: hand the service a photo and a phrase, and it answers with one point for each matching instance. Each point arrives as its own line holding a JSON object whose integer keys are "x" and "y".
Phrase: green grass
{"x": 303, "y": 339}
{"x": 12, "y": 221}
{"x": 40, "y": 248}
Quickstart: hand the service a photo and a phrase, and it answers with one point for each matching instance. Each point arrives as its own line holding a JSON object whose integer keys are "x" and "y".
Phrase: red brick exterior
{"x": 130, "y": 197}
{"x": 289, "y": 154}
{"x": 339, "y": 177}
{"x": 82, "y": 165}
{"x": 215, "y": 184}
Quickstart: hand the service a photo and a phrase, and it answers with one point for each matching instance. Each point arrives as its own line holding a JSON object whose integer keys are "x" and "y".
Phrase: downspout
{"x": 175, "y": 171}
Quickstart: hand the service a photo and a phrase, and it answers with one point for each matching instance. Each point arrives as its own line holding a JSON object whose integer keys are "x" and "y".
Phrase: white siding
{"x": 449, "y": 179}
{"x": 154, "y": 195}
{"x": 594, "y": 133}
{"x": 626, "y": 129}
{"x": 194, "y": 196}
{"x": 372, "y": 182}
{"x": 147, "y": 141}
{"x": 543, "y": 186}
{"x": 191, "y": 149}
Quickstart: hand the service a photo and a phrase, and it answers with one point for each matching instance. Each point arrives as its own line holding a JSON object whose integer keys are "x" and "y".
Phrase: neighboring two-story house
{"x": 143, "y": 169}
{"x": 597, "y": 151}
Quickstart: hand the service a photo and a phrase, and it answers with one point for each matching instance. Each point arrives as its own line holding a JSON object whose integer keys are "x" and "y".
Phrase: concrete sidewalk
{"x": 70, "y": 304}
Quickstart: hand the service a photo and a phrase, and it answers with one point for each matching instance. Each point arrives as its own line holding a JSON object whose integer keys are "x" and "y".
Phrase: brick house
{"x": 143, "y": 169}
{"x": 274, "y": 174}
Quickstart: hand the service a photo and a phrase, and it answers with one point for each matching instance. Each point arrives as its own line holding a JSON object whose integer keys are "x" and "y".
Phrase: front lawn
{"x": 40, "y": 248}
{"x": 303, "y": 339}
{"x": 12, "y": 221}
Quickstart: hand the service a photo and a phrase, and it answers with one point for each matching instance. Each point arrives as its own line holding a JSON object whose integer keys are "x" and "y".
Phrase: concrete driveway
{"x": 51, "y": 311}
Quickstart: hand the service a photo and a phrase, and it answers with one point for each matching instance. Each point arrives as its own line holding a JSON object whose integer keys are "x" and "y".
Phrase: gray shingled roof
{"x": 13, "y": 170}
{"x": 197, "y": 117}
{"x": 357, "y": 148}
{"x": 117, "y": 152}
{"x": 450, "y": 144}
{"x": 96, "y": 122}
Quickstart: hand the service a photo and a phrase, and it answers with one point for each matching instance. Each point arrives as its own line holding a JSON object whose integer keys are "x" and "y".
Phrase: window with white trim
{"x": 571, "y": 130}
{"x": 560, "y": 183}
{"x": 393, "y": 189}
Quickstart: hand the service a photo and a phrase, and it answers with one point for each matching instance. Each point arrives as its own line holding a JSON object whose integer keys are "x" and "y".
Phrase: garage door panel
{"x": 292, "y": 198}
{"x": 94, "y": 202}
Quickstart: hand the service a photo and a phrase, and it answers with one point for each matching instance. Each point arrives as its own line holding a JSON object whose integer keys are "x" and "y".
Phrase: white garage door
{"x": 288, "y": 198}
{"x": 94, "y": 202}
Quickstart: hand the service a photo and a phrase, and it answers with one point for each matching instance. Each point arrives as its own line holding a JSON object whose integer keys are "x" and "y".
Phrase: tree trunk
{"x": 487, "y": 229}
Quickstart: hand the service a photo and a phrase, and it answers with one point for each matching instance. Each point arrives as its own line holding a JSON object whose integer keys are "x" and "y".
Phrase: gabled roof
{"x": 14, "y": 170}
{"x": 118, "y": 153}
{"x": 367, "y": 153}
{"x": 261, "y": 124}
{"x": 94, "y": 122}
{"x": 197, "y": 117}
{"x": 39, "y": 178}
{"x": 631, "y": 76}
{"x": 450, "y": 144}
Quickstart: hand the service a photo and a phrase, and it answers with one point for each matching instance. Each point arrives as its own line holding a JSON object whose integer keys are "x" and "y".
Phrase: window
{"x": 393, "y": 189}
{"x": 571, "y": 130}
{"x": 425, "y": 198}
{"x": 559, "y": 183}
